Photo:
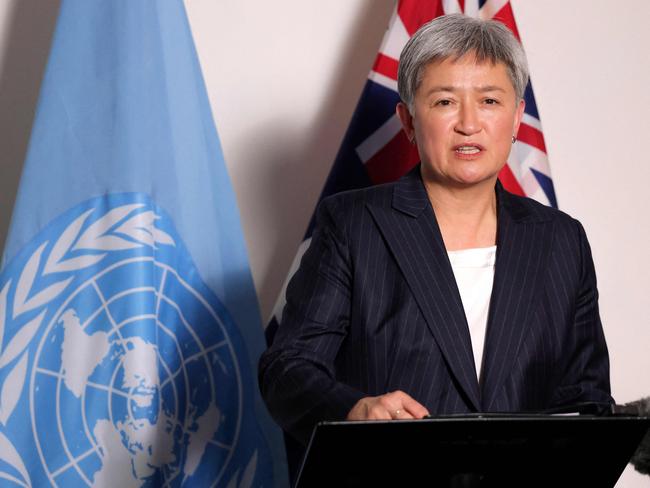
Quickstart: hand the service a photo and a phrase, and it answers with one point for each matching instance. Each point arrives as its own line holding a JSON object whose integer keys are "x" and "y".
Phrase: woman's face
{"x": 464, "y": 116}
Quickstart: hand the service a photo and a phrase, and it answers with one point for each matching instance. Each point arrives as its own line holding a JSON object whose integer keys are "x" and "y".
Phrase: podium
{"x": 480, "y": 450}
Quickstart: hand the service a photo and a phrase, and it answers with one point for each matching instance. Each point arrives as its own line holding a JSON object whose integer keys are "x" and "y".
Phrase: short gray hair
{"x": 453, "y": 36}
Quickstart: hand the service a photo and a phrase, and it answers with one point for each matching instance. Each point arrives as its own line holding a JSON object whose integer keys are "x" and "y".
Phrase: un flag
{"x": 129, "y": 324}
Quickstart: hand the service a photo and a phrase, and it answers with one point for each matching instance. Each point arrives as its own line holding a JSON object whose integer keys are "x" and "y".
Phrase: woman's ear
{"x": 406, "y": 119}
{"x": 519, "y": 114}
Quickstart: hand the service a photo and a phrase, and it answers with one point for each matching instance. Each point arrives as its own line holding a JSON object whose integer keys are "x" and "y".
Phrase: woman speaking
{"x": 441, "y": 292}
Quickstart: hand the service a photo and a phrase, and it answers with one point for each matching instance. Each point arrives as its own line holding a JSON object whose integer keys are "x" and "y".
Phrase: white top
{"x": 474, "y": 273}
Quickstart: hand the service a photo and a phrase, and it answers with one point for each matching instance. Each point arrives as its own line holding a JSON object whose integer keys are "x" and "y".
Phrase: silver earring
{"x": 514, "y": 139}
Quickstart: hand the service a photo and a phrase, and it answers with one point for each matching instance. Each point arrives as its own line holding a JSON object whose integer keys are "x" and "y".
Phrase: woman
{"x": 441, "y": 293}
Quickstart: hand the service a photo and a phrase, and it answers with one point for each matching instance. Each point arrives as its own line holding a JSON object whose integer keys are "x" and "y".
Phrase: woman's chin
{"x": 461, "y": 175}
{"x": 473, "y": 178}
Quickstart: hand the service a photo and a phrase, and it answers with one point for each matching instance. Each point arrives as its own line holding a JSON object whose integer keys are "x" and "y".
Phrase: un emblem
{"x": 118, "y": 366}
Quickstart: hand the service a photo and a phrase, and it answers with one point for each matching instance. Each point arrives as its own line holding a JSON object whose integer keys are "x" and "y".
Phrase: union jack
{"x": 376, "y": 150}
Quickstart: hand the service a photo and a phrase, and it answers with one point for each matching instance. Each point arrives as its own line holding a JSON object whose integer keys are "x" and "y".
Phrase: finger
{"x": 393, "y": 402}
{"x": 402, "y": 406}
{"x": 401, "y": 414}
{"x": 412, "y": 406}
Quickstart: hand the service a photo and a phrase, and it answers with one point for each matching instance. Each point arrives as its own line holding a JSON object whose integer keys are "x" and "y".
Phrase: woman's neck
{"x": 467, "y": 217}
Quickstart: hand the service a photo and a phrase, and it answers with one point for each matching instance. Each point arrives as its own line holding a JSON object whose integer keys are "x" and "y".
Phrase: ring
{"x": 397, "y": 412}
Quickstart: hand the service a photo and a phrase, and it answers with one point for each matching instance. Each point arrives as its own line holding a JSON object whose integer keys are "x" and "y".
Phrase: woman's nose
{"x": 468, "y": 120}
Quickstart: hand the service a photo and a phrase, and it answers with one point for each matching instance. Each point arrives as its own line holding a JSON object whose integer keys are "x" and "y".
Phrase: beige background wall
{"x": 283, "y": 79}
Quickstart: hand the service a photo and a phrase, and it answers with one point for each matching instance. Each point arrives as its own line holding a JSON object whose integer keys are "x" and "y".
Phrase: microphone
{"x": 641, "y": 458}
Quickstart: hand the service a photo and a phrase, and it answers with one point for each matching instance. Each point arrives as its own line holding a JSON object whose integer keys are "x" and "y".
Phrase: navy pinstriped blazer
{"x": 374, "y": 308}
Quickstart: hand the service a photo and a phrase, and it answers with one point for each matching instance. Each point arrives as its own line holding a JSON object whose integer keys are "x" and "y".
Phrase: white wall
{"x": 284, "y": 77}
{"x": 26, "y": 28}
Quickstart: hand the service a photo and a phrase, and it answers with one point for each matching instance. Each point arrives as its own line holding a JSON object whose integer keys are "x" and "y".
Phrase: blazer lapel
{"x": 412, "y": 233}
{"x": 523, "y": 243}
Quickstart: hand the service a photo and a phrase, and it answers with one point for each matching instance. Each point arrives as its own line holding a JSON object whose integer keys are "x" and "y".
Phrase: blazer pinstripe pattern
{"x": 374, "y": 307}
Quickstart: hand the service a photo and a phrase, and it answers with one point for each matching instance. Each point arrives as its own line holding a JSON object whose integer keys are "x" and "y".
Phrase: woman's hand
{"x": 394, "y": 405}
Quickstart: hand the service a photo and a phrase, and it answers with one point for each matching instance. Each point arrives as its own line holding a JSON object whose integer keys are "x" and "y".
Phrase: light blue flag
{"x": 129, "y": 325}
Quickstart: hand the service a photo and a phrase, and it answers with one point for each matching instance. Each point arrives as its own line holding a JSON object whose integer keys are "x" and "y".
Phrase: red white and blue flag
{"x": 375, "y": 149}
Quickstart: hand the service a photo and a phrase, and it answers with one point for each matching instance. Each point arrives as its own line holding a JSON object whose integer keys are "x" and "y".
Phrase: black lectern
{"x": 473, "y": 451}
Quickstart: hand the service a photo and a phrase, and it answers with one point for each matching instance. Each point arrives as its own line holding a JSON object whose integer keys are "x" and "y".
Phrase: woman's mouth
{"x": 468, "y": 149}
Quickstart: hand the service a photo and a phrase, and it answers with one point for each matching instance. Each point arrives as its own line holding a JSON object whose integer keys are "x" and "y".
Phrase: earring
{"x": 514, "y": 139}
{"x": 412, "y": 141}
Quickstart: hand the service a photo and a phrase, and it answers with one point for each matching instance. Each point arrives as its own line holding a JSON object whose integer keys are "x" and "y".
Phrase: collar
{"x": 410, "y": 197}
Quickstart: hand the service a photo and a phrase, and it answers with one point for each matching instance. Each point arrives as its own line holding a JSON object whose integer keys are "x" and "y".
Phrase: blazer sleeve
{"x": 297, "y": 374}
{"x": 586, "y": 370}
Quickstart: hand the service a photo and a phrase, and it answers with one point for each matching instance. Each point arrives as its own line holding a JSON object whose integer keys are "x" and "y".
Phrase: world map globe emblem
{"x": 135, "y": 379}
{"x": 144, "y": 394}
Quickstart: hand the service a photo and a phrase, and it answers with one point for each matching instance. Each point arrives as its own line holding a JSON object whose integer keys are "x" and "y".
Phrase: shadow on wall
{"x": 30, "y": 25}
{"x": 300, "y": 166}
